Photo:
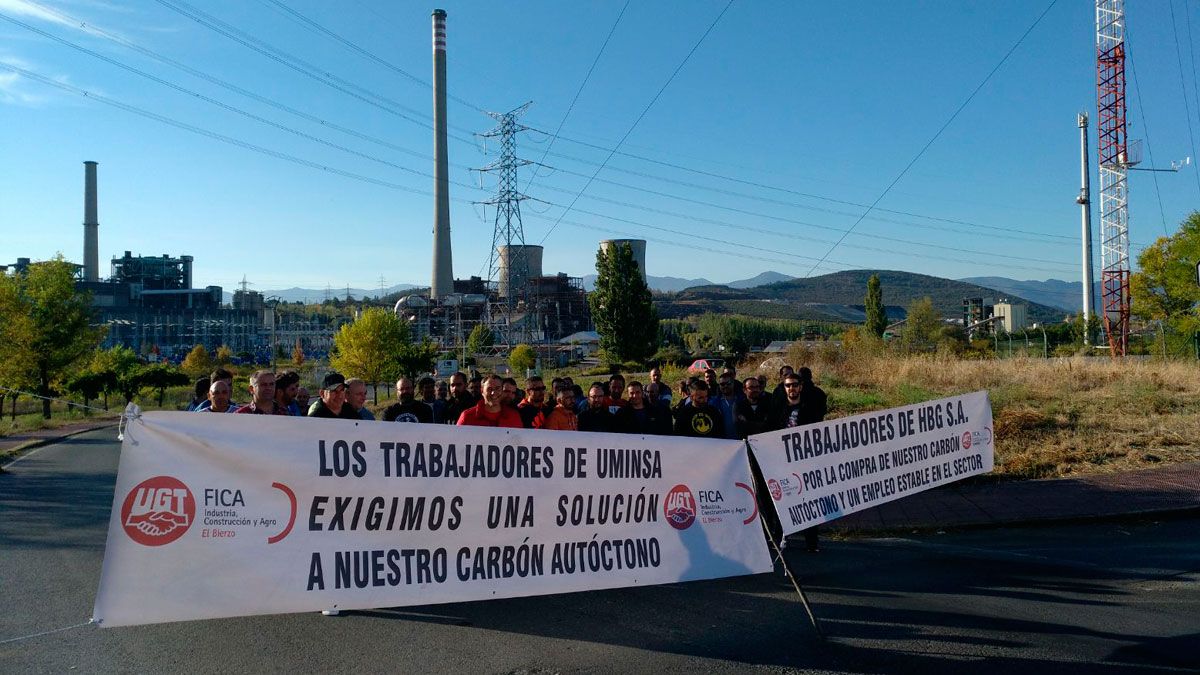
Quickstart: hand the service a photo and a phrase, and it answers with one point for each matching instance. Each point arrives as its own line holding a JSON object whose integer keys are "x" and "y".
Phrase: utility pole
{"x": 507, "y": 261}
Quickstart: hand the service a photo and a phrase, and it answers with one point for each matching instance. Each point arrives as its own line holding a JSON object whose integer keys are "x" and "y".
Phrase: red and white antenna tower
{"x": 1115, "y": 160}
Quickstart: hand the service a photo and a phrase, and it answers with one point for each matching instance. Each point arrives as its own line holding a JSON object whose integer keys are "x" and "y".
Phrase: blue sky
{"x": 813, "y": 109}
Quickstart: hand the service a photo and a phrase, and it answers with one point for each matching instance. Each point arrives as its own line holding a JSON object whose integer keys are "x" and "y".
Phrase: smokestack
{"x": 1085, "y": 203}
{"x": 443, "y": 271}
{"x": 91, "y": 225}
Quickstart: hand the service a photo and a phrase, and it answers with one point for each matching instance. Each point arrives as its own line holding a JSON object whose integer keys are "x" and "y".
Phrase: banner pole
{"x": 787, "y": 571}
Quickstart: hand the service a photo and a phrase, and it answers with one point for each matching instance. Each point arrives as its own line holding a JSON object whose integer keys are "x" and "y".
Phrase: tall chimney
{"x": 1085, "y": 203}
{"x": 443, "y": 270}
{"x": 91, "y": 226}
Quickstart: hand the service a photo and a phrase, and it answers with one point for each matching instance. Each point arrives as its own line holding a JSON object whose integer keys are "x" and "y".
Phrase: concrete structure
{"x": 639, "y": 251}
{"x": 515, "y": 273}
{"x": 1013, "y": 317}
{"x": 91, "y": 224}
{"x": 1085, "y": 203}
{"x": 443, "y": 268}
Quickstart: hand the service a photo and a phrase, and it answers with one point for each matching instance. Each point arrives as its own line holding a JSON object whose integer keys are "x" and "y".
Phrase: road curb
{"x": 19, "y": 451}
{"x": 926, "y": 528}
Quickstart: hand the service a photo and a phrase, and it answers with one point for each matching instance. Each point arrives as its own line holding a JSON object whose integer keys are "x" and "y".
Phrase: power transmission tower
{"x": 508, "y": 261}
{"x": 1116, "y": 159}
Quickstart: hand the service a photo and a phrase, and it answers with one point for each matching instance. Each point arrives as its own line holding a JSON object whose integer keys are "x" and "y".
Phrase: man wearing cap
{"x": 262, "y": 388}
{"x": 333, "y": 399}
{"x": 490, "y": 412}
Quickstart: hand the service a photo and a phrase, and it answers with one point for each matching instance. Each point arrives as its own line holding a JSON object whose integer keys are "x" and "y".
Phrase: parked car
{"x": 700, "y": 365}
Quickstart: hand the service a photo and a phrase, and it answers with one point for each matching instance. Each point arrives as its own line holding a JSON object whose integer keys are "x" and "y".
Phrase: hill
{"x": 1066, "y": 295}
{"x": 839, "y": 297}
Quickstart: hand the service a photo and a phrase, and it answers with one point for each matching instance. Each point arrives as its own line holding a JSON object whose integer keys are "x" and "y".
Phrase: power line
{"x": 944, "y": 126}
{"x": 304, "y": 20}
{"x": 1137, "y": 87}
{"x": 226, "y": 84}
{"x": 301, "y": 66}
{"x": 205, "y": 132}
{"x": 643, "y": 113}
{"x": 579, "y": 91}
{"x": 1007, "y": 235}
{"x": 757, "y": 230}
{"x": 1183, "y": 87}
{"x": 767, "y": 186}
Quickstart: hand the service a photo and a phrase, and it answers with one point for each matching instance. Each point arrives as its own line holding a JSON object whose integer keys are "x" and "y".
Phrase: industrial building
{"x": 982, "y": 316}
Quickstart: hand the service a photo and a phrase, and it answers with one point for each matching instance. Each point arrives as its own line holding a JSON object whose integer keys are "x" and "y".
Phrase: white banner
{"x": 233, "y": 515}
{"x": 818, "y": 472}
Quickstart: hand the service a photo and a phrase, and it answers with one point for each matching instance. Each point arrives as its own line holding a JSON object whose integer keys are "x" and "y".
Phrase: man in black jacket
{"x": 408, "y": 409}
{"x": 753, "y": 411}
{"x": 596, "y": 416}
{"x": 333, "y": 399}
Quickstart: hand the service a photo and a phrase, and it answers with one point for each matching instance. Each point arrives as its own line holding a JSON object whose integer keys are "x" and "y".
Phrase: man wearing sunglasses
{"x": 534, "y": 408}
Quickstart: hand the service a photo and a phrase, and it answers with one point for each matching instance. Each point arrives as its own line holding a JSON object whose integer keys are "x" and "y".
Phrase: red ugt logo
{"x": 158, "y": 511}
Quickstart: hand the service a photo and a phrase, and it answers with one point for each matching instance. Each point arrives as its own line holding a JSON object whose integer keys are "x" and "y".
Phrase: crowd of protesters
{"x": 712, "y": 406}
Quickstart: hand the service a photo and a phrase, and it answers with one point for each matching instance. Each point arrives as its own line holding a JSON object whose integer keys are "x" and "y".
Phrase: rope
{"x": 46, "y": 632}
{"x": 51, "y": 398}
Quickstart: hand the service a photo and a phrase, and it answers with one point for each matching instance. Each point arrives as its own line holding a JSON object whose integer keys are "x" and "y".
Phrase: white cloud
{"x": 25, "y": 9}
{"x": 14, "y": 90}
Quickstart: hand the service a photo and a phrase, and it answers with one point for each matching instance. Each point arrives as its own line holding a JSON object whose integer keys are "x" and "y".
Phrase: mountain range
{"x": 830, "y": 297}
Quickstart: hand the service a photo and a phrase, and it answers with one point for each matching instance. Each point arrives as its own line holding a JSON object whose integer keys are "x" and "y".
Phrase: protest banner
{"x": 233, "y": 515}
{"x": 818, "y": 472}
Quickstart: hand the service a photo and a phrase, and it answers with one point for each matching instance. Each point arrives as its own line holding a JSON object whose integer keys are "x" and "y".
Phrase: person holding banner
{"x": 697, "y": 418}
{"x": 753, "y": 411}
{"x": 333, "y": 399}
{"x": 408, "y": 409}
{"x": 287, "y": 387}
{"x": 262, "y": 388}
{"x": 218, "y": 398}
{"x": 490, "y": 411}
{"x": 596, "y": 417}
{"x": 640, "y": 416}
{"x": 563, "y": 417}
{"x": 806, "y": 403}
{"x": 534, "y": 408}
{"x": 460, "y": 399}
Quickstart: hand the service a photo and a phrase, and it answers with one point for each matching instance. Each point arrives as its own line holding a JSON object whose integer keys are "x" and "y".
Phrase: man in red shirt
{"x": 262, "y": 386}
{"x": 490, "y": 412}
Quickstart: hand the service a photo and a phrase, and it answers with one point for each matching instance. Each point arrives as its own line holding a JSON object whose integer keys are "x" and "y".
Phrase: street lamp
{"x": 1045, "y": 341}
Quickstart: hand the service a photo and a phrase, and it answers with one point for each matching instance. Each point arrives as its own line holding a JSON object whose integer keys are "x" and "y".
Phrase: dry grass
{"x": 1053, "y": 417}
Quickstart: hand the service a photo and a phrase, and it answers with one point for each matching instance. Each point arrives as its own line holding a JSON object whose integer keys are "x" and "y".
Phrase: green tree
{"x": 623, "y": 307}
{"x": 876, "y": 321}
{"x": 122, "y": 366}
{"x": 198, "y": 362}
{"x": 57, "y": 334}
{"x": 1165, "y": 287}
{"x": 522, "y": 358}
{"x": 481, "y": 337}
{"x": 370, "y": 347}
{"x": 417, "y": 359}
{"x": 89, "y": 386}
{"x": 160, "y": 376}
{"x": 922, "y": 327}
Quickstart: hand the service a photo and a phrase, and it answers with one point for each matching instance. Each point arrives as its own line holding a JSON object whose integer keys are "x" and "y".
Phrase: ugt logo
{"x": 158, "y": 511}
{"x": 680, "y": 507}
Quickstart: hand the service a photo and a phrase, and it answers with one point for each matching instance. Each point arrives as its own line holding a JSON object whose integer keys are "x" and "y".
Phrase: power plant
{"x": 516, "y": 301}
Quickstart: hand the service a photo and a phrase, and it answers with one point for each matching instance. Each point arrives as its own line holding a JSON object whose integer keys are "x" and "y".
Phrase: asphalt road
{"x": 1094, "y": 598}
